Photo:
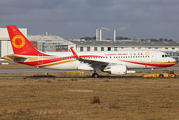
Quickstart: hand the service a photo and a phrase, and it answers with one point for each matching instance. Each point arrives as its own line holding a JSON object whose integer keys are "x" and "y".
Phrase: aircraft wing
{"x": 93, "y": 63}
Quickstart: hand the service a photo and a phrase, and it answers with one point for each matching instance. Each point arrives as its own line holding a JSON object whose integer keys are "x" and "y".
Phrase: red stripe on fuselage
{"x": 150, "y": 64}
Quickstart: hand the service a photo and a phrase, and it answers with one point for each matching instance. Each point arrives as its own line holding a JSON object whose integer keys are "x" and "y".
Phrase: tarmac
{"x": 39, "y": 70}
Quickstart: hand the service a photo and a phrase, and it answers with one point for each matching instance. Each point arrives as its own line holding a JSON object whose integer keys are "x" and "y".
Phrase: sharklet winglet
{"x": 74, "y": 53}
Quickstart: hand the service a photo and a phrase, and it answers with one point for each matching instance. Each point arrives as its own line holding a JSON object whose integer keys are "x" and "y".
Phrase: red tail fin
{"x": 19, "y": 42}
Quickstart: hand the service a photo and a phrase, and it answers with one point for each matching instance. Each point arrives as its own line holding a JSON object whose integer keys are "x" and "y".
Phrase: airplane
{"x": 113, "y": 62}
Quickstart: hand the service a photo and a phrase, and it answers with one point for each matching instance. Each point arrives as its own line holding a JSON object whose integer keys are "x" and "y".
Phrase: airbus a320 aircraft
{"x": 113, "y": 62}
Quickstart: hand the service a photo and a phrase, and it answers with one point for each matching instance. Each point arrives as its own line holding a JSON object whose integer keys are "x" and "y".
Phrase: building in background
{"x": 5, "y": 45}
{"x": 52, "y": 43}
{"x": 61, "y": 48}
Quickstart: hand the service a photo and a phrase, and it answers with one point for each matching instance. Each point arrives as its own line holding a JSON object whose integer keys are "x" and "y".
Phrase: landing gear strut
{"x": 95, "y": 75}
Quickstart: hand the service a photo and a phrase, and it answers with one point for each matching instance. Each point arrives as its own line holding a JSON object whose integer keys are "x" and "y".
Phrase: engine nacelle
{"x": 85, "y": 67}
{"x": 117, "y": 69}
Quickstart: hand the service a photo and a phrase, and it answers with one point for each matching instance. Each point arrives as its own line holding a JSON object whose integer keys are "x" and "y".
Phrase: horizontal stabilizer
{"x": 15, "y": 58}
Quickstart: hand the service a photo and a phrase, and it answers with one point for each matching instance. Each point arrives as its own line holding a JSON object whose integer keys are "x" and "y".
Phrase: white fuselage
{"x": 132, "y": 59}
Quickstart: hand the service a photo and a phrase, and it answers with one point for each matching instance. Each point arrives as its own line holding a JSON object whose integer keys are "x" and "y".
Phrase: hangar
{"x": 171, "y": 48}
{"x": 50, "y": 43}
{"x": 5, "y": 45}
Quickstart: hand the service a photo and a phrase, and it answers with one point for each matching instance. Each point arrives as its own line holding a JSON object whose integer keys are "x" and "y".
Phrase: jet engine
{"x": 116, "y": 70}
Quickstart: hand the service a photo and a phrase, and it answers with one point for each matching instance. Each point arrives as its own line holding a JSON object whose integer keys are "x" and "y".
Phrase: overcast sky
{"x": 72, "y": 19}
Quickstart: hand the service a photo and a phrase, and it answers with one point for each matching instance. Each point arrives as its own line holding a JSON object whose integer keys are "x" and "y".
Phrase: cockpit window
{"x": 164, "y": 56}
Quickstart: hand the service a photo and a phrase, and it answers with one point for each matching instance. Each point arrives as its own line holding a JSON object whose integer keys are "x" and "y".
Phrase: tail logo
{"x": 18, "y": 37}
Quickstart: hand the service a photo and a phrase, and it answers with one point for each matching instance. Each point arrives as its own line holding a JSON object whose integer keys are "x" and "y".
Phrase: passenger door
{"x": 40, "y": 59}
{"x": 153, "y": 57}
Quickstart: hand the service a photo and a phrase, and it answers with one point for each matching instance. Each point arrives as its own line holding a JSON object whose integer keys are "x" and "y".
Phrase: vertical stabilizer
{"x": 19, "y": 42}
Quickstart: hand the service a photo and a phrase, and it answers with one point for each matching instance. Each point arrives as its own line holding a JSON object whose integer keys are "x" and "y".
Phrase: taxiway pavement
{"x": 39, "y": 70}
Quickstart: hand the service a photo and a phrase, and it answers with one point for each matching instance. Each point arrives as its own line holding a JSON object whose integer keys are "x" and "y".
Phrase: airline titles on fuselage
{"x": 132, "y": 54}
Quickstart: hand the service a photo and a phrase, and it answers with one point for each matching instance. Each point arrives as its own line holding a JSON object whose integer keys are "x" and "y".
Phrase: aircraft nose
{"x": 173, "y": 61}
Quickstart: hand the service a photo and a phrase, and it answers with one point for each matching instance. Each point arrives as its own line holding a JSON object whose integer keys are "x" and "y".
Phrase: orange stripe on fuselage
{"x": 57, "y": 63}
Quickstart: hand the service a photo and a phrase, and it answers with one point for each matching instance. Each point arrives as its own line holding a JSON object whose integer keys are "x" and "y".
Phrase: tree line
{"x": 127, "y": 38}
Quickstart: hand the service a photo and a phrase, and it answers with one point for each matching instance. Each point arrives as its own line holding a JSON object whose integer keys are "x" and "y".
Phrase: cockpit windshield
{"x": 164, "y": 55}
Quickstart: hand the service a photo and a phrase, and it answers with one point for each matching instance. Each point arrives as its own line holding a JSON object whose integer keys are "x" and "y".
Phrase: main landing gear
{"x": 96, "y": 70}
{"x": 95, "y": 75}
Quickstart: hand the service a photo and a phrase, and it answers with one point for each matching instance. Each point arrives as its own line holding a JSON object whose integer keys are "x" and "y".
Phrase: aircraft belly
{"x": 66, "y": 66}
{"x": 131, "y": 65}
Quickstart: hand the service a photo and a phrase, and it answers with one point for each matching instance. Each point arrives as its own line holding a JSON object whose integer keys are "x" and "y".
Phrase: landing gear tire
{"x": 95, "y": 75}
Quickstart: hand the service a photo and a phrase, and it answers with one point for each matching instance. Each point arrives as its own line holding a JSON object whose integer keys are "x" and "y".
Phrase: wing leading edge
{"x": 95, "y": 64}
